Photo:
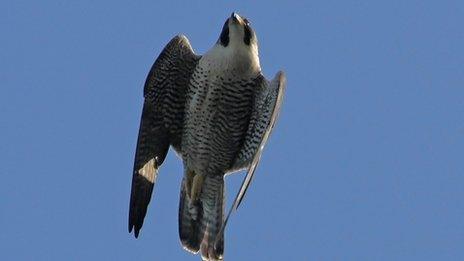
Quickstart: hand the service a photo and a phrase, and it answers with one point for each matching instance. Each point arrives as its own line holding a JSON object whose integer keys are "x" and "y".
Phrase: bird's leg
{"x": 196, "y": 187}
{"x": 188, "y": 184}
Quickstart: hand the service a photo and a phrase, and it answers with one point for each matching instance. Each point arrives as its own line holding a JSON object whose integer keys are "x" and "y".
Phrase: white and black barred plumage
{"x": 216, "y": 111}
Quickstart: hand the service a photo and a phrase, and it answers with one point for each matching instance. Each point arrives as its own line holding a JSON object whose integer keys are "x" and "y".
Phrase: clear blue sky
{"x": 366, "y": 161}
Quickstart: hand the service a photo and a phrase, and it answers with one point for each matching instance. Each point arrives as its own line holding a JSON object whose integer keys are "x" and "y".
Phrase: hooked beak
{"x": 234, "y": 17}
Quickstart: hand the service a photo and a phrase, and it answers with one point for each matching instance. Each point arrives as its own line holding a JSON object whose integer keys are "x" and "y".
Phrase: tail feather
{"x": 200, "y": 222}
{"x": 190, "y": 216}
{"x": 212, "y": 197}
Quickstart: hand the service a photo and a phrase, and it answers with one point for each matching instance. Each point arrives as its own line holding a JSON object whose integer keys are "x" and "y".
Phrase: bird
{"x": 216, "y": 111}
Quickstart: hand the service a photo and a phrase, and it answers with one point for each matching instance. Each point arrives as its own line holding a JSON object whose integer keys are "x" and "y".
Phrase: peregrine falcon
{"x": 216, "y": 111}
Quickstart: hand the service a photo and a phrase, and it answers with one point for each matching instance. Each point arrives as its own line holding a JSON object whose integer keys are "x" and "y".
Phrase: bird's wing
{"x": 161, "y": 122}
{"x": 267, "y": 102}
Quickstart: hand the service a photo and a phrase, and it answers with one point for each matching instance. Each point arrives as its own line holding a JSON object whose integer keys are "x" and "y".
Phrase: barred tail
{"x": 212, "y": 199}
{"x": 200, "y": 222}
{"x": 190, "y": 216}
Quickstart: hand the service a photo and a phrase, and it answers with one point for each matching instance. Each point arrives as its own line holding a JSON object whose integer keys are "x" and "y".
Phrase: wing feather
{"x": 265, "y": 113}
{"x": 268, "y": 112}
{"x": 161, "y": 121}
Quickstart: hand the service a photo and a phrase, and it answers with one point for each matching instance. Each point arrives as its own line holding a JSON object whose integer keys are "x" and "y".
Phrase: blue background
{"x": 366, "y": 161}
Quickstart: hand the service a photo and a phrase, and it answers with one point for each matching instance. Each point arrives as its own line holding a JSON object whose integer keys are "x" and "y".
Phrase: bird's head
{"x": 237, "y": 34}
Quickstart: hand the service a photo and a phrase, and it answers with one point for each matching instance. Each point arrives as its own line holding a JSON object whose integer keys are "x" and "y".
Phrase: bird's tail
{"x": 200, "y": 220}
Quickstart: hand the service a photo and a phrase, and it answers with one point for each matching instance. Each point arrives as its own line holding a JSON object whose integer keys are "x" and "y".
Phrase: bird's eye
{"x": 246, "y": 21}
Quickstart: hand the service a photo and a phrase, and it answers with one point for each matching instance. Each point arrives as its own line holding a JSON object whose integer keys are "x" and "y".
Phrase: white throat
{"x": 235, "y": 57}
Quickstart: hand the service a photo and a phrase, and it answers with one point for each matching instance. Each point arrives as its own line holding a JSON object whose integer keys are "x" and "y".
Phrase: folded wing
{"x": 267, "y": 102}
{"x": 161, "y": 121}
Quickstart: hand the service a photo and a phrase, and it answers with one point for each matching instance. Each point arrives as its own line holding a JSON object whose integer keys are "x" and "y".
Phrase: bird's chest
{"x": 215, "y": 98}
{"x": 218, "y": 112}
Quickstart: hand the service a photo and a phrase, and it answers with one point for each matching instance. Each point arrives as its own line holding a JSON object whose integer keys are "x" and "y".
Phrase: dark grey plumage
{"x": 161, "y": 122}
{"x": 217, "y": 111}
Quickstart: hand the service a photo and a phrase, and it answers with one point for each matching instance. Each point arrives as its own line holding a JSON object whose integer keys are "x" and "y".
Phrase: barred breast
{"x": 218, "y": 110}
